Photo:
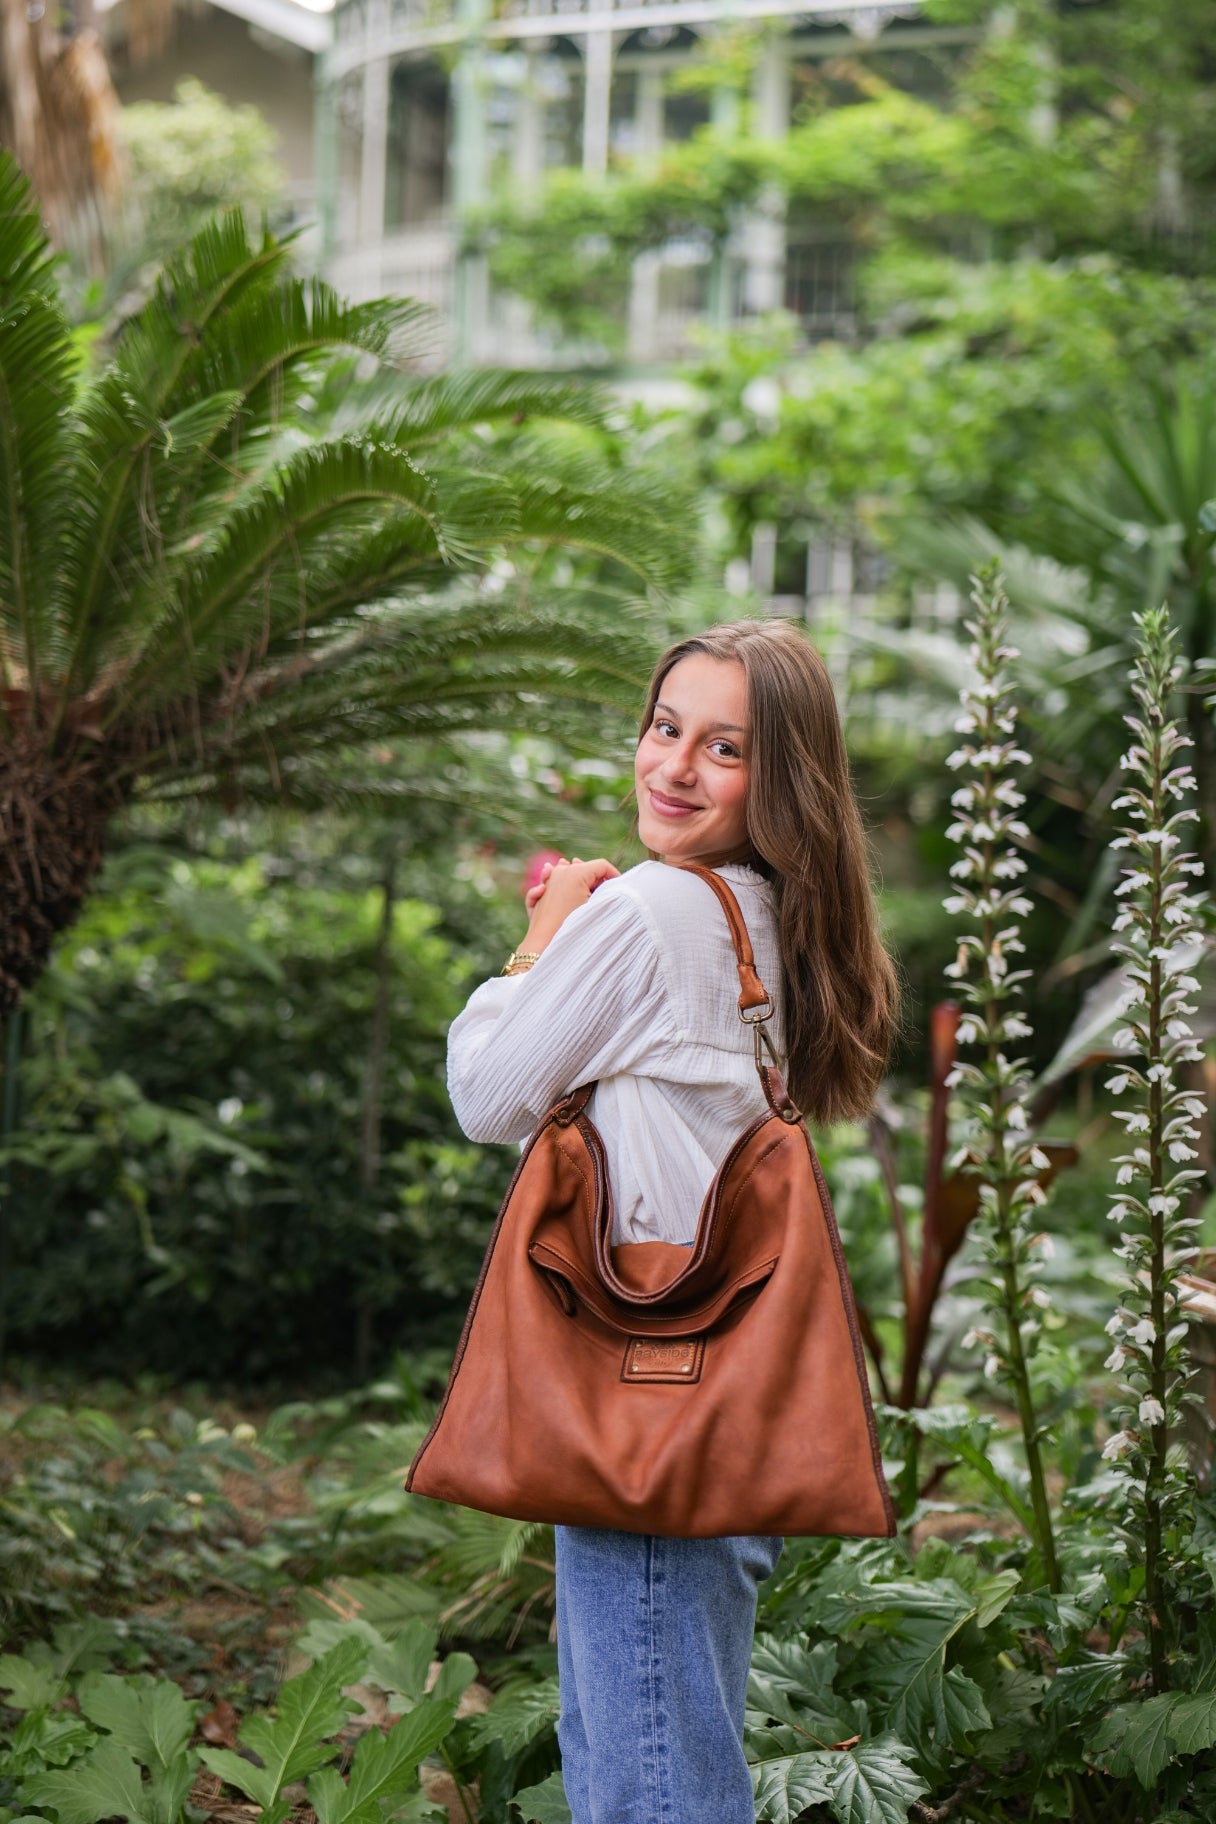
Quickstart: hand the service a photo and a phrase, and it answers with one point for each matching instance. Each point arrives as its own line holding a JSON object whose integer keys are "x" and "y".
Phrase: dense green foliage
{"x": 189, "y": 1192}
{"x": 1067, "y": 131}
{"x": 194, "y": 156}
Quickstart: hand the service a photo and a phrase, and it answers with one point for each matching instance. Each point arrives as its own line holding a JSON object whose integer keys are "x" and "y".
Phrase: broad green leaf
{"x": 936, "y": 1599}
{"x": 959, "y": 1710}
{"x": 41, "y": 1740}
{"x": 1136, "y": 1738}
{"x": 106, "y": 1784}
{"x": 787, "y": 1665}
{"x": 310, "y": 1708}
{"x": 543, "y": 1804}
{"x": 169, "y": 1789}
{"x": 456, "y": 1674}
{"x": 774, "y": 1744}
{"x": 403, "y": 1664}
{"x": 908, "y": 1670}
{"x": 149, "y": 1716}
{"x": 1091, "y": 1683}
{"x": 1194, "y": 1723}
{"x": 233, "y": 1768}
{"x": 1142, "y": 1738}
{"x": 293, "y": 1743}
{"x": 384, "y": 1766}
{"x": 323, "y": 1635}
{"x": 517, "y": 1717}
{"x": 86, "y": 1646}
{"x": 1061, "y": 1617}
{"x": 784, "y": 1788}
{"x": 29, "y": 1686}
{"x": 792, "y": 1684}
{"x": 419, "y": 1809}
{"x": 992, "y": 1594}
{"x": 329, "y": 1798}
{"x": 873, "y": 1783}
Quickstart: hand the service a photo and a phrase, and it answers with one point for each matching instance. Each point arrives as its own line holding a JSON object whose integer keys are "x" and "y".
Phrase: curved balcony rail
{"x": 365, "y": 30}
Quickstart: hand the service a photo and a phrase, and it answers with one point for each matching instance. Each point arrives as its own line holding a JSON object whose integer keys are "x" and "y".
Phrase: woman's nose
{"x": 679, "y": 764}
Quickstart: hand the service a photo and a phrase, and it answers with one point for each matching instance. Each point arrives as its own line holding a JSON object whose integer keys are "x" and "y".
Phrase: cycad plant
{"x": 210, "y": 587}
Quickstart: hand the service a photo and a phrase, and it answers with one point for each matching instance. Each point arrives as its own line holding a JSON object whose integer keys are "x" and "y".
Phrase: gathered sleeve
{"x": 594, "y": 1006}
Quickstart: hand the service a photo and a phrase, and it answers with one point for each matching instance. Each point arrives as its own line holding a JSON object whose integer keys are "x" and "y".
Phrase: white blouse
{"x": 637, "y": 992}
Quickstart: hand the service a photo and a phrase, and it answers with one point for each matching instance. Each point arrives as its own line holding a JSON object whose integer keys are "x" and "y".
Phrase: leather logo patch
{"x": 673, "y": 1359}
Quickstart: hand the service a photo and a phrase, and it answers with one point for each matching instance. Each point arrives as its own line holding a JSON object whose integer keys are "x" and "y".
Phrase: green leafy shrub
{"x": 192, "y": 1137}
{"x": 195, "y": 155}
{"x": 127, "y": 1754}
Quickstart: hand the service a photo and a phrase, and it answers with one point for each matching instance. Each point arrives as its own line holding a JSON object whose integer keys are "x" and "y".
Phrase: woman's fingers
{"x": 597, "y": 872}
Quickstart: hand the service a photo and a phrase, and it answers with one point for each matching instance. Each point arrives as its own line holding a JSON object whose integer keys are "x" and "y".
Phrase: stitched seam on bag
{"x": 725, "y": 1216}
{"x": 466, "y": 1332}
{"x": 595, "y": 1147}
{"x": 749, "y": 1276}
{"x": 574, "y": 1160}
{"x": 847, "y": 1300}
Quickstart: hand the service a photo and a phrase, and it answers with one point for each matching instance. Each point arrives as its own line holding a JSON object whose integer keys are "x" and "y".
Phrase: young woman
{"x": 628, "y": 980}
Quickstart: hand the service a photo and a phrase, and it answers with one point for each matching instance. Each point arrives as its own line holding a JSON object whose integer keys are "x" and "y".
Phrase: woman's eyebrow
{"x": 736, "y": 728}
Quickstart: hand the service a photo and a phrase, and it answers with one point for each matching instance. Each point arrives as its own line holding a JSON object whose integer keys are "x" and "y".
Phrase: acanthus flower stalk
{"x": 1003, "y": 1154}
{"x": 1158, "y": 935}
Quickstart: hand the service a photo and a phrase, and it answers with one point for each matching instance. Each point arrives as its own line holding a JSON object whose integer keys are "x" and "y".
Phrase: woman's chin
{"x": 663, "y": 838}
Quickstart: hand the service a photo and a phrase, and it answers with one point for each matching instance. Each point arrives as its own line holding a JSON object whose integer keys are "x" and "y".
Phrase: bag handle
{"x": 755, "y": 1004}
{"x": 753, "y": 993}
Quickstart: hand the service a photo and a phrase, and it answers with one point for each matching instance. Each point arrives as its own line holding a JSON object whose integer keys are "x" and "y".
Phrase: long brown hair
{"x": 841, "y": 993}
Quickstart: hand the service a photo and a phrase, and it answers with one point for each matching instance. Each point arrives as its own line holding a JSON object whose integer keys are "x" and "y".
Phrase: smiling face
{"x": 691, "y": 765}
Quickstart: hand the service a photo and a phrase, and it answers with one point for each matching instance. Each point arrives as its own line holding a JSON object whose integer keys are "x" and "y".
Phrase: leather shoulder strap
{"x": 752, "y": 990}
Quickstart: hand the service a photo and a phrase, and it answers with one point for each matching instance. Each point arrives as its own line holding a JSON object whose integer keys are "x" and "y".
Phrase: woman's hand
{"x": 563, "y": 887}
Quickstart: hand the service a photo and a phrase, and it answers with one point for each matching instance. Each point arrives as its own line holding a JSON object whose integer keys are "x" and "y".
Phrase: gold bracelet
{"x": 519, "y": 961}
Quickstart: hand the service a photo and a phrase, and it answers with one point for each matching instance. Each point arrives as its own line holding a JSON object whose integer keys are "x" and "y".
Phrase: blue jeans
{"x": 654, "y": 1638}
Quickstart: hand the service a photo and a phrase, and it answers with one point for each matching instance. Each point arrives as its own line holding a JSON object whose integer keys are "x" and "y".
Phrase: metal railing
{"x": 675, "y": 292}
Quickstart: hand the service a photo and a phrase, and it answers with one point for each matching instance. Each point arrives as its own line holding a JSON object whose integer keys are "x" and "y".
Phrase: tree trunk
{"x": 8, "y": 1127}
{"x": 373, "y": 1089}
{"x": 377, "y": 1051}
{"x": 53, "y": 819}
{"x": 59, "y": 116}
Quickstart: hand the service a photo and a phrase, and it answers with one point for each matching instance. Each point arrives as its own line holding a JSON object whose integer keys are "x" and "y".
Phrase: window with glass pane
{"x": 416, "y": 173}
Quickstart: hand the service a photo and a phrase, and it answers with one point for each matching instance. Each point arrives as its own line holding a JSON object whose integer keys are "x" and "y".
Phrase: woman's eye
{"x": 727, "y": 750}
{"x": 662, "y": 726}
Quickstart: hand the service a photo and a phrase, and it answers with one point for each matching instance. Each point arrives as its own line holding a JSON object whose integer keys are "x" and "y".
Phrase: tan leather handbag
{"x": 691, "y": 1392}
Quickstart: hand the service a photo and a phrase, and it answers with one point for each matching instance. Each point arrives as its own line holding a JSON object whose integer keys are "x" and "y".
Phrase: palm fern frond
{"x": 416, "y": 411}
{"x": 627, "y": 519}
{"x": 492, "y": 799}
{"x": 442, "y": 403}
{"x": 258, "y": 578}
{"x": 229, "y": 595}
{"x": 38, "y": 365}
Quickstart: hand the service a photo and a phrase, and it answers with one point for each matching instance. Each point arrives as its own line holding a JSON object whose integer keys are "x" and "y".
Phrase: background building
{"x": 428, "y": 109}
{"x": 260, "y": 52}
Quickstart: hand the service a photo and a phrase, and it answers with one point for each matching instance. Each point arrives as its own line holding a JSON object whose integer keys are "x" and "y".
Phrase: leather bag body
{"x": 691, "y": 1392}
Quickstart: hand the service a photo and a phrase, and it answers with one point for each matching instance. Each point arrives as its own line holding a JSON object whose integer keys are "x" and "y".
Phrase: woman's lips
{"x": 670, "y": 807}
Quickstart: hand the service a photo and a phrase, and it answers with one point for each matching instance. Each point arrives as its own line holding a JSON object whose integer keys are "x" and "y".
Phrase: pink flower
{"x": 536, "y": 866}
